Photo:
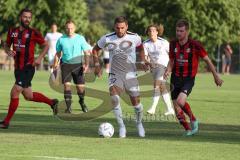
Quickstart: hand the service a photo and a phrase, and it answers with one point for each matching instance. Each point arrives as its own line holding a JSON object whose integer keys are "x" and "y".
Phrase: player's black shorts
{"x": 24, "y": 76}
{"x": 72, "y": 71}
{"x": 106, "y": 60}
{"x": 180, "y": 84}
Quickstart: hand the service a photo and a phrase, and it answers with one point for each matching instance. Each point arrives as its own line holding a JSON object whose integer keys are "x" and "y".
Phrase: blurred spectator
{"x": 227, "y": 59}
{"x": 52, "y": 38}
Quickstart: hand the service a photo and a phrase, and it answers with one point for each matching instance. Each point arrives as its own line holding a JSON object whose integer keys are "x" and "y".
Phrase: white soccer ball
{"x": 106, "y": 130}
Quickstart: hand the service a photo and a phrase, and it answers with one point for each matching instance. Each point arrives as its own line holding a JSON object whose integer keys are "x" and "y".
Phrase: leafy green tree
{"x": 45, "y": 12}
{"x": 95, "y": 31}
{"x": 212, "y": 22}
{"x": 76, "y": 10}
{"x": 105, "y": 11}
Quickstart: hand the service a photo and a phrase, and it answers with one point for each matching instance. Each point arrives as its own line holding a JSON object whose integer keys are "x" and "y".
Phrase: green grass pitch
{"x": 35, "y": 134}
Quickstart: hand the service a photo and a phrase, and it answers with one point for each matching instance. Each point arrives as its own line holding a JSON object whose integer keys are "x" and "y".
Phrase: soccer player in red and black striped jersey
{"x": 184, "y": 57}
{"x": 23, "y": 40}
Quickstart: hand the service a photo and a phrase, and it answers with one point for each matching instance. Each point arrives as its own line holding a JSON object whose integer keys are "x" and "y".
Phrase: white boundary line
{"x": 49, "y": 157}
{"x": 61, "y": 158}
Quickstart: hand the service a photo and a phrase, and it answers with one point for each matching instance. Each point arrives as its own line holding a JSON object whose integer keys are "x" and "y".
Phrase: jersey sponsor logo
{"x": 181, "y": 60}
{"x": 123, "y": 46}
{"x": 19, "y": 45}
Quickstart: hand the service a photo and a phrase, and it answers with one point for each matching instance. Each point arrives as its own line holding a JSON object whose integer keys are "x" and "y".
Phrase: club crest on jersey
{"x": 27, "y": 35}
{"x": 188, "y": 50}
{"x": 14, "y": 34}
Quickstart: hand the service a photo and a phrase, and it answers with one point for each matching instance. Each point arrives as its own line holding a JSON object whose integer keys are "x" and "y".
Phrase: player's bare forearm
{"x": 95, "y": 51}
{"x": 168, "y": 69}
{"x": 210, "y": 65}
{"x": 144, "y": 63}
{"x": 8, "y": 49}
{"x": 142, "y": 55}
{"x": 56, "y": 59}
{"x": 216, "y": 77}
{"x": 170, "y": 65}
{"x": 87, "y": 56}
{"x": 5, "y": 47}
{"x": 43, "y": 53}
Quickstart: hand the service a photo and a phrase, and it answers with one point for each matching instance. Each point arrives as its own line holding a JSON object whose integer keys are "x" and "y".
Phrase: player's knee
{"x": 115, "y": 100}
{"x": 16, "y": 91}
{"x": 136, "y": 102}
{"x": 180, "y": 102}
{"x": 162, "y": 87}
{"x": 67, "y": 86}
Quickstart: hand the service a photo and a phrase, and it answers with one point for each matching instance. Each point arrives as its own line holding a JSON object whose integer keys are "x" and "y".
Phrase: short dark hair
{"x": 25, "y": 10}
{"x": 120, "y": 19}
{"x": 55, "y": 24}
{"x": 69, "y": 21}
{"x": 183, "y": 22}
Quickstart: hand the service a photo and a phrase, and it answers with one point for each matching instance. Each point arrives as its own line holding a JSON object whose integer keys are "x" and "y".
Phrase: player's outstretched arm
{"x": 145, "y": 64}
{"x": 87, "y": 54}
{"x": 7, "y": 49}
{"x": 42, "y": 54}
{"x": 95, "y": 52}
{"x": 168, "y": 70}
{"x": 217, "y": 79}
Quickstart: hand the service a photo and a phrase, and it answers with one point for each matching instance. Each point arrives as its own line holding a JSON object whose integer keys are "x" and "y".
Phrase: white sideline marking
{"x": 61, "y": 158}
{"x": 49, "y": 157}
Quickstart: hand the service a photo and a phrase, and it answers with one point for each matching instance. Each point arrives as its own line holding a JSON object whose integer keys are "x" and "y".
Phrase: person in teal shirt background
{"x": 72, "y": 47}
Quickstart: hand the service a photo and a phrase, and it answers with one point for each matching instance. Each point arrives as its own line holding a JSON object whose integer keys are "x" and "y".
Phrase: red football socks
{"x": 182, "y": 120}
{"x": 11, "y": 109}
{"x": 186, "y": 108}
{"x": 38, "y": 97}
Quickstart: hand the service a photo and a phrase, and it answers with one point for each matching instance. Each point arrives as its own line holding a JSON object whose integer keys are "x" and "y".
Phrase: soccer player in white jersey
{"x": 122, "y": 46}
{"x": 157, "y": 49}
{"x": 52, "y": 38}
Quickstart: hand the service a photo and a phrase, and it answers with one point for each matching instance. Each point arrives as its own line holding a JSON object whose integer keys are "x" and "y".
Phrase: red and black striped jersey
{"x": 23, "y": 42}
{"x": 186, "y": 57}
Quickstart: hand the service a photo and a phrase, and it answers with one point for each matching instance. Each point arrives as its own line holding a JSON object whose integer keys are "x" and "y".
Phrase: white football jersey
{"x": 122, "y": 51}
{"x": 158, "y": 51}
{"x": 52, "y": 38}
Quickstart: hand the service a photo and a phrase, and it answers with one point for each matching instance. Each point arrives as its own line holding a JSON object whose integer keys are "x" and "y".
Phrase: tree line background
{"x": 213, "y": 22}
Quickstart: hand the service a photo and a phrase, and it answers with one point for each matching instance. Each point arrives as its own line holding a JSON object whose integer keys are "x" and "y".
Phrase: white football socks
{"x": 167, "y": 101}
{"x": 156, "y": 97}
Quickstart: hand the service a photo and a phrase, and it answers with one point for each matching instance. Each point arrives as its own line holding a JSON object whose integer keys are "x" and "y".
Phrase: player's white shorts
{"x": 50, "y": 59}
{"x": 127, "y": 82}
{"x": 158, "y": 72}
